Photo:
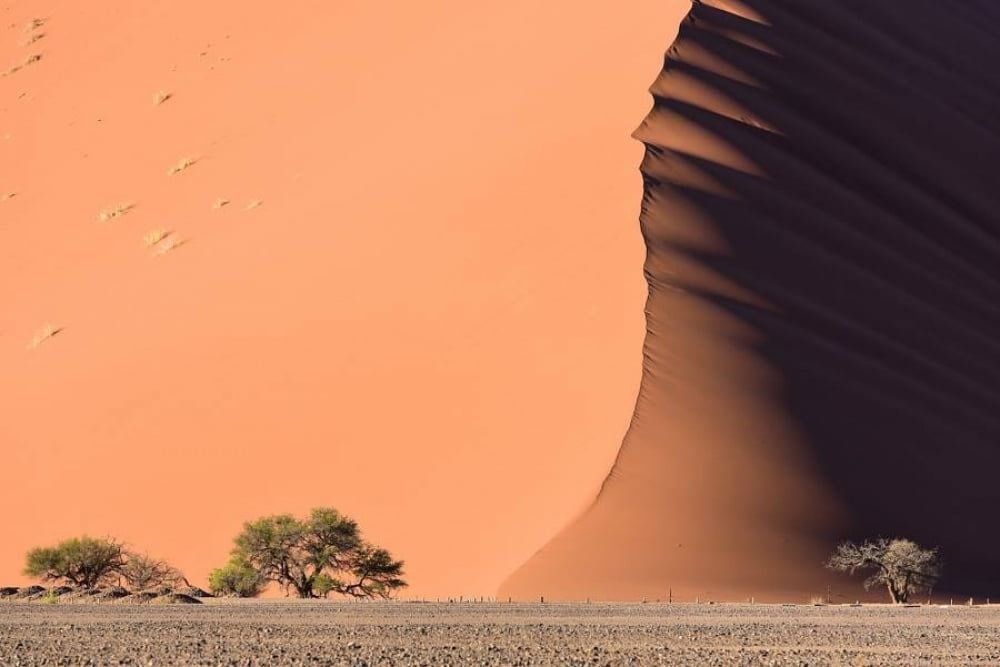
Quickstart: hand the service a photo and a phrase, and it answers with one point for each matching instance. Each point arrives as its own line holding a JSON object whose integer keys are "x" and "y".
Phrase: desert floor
{"x": 399, "y": 633}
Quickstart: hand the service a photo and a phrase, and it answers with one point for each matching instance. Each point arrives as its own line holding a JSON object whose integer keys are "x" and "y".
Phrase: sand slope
{"x": 823, "y": 326}
{"x": 436, "y": 303}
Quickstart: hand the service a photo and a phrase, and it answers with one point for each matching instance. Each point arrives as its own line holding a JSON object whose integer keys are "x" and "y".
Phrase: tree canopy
{"x": 320, "y": 554}
{"x": 89, "y": 562}
{"x": 80, "y": 561}
{"x": 142, "y": 572}
{"x": 901, "y": 565}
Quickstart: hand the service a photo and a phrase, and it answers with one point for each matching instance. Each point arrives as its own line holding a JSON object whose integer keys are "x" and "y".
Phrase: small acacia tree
{"x": 142, "y": 572}
{"x": 79, "y": 561}
{"x": 901, "y": 565}
{"x": 315, "y": 556}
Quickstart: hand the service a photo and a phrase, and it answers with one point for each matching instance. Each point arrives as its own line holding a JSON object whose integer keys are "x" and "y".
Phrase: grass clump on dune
{"x": 182, "y": 165}
{"x": 42, "y": 335}
{"x": 116, "y": 211}
{"x": 30, "y": 60}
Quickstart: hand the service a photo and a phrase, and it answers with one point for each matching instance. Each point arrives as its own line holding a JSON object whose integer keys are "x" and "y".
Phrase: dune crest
{"x": 822, "y": 352}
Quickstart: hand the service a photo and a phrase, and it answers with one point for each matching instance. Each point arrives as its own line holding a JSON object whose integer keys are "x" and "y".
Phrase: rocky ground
{"x": 271, "y": 632}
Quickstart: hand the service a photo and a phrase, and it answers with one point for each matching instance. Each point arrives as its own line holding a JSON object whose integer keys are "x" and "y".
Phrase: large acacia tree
{"x": 901, "y": 565}
{"x": 320, "y": 554}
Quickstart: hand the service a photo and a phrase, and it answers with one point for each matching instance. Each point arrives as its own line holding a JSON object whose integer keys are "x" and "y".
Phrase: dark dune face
{"x": 822, "y": 216}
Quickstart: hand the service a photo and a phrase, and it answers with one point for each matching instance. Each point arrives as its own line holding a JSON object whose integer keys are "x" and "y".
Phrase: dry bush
{"x": 116, "y": 211}
{"x": 161, "y": 97}
{"x": 182, "y": 165}
{"x": 150, "y": 239}
{"x": 32, "y": 38}
{"x": 220, "y": 203}
{"x": 142, "y": 572}
{"x": 171, "y": 242}
{"x": 30, "y": 60}
{"x": 42, "y": 335}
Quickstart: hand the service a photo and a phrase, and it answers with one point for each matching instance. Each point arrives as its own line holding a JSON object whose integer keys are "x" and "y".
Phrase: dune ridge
{"x": 822, "y": 348}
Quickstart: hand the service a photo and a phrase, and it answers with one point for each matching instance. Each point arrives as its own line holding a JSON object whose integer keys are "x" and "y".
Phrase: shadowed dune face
{"x": 822, "y": 353}
{"x": 430, "y": 319}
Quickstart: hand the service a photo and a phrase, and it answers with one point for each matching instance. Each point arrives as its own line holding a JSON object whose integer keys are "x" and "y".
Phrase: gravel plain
{"x": 273, "y": 632}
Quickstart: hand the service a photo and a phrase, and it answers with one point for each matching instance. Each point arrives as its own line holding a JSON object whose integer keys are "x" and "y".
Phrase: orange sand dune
{"x": 421, "y": 303}
{"x": 822, "y": 356}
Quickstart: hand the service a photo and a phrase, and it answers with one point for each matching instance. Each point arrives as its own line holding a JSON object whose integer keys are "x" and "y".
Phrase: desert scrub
{"x": 161, "y": 97}
{"x": 42, "y": 335}
{"x": 30, "y": 60}
{"x": 150, "y": 239}
{"x": 182, "y": 165}
{"x": 116, "y": 211}
{"x": 32, "y": 38}
{"x": 166, "y": 245}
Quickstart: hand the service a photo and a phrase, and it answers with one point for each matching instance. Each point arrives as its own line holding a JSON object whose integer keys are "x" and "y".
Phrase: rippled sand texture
{"x": 822, "y": 353}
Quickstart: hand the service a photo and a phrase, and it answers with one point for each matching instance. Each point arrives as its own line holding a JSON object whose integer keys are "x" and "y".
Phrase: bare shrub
{"x": 901, "y": 565}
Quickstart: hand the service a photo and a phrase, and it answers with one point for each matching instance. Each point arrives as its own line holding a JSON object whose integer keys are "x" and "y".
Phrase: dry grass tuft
{"x": 116, "y": 211}
{"x": 166, "y": 245}
{"x": 220, "y": 203}
{"x": 30, "y": 60}
{"x": 35, "y": 24}
{"x": 182, "y": 165}
{"x": 150, "y": 239}
{"x": 7, "y": 195}
{"x": 161, "y": 97}
{"x": 32, "y": 38}
{"x": 42, "y": 335}
{"x": 161, "y": 241}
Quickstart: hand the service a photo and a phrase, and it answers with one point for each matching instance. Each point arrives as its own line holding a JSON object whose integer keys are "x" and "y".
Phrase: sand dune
{"x": 401, "y": 275}
{"x": 823, "y": 331}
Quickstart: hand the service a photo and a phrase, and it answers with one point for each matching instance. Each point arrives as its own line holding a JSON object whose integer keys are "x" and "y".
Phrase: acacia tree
{"x": 375, "y": 574}
{"x": 901, "y": 565}
{"x": 142, "y": 572}
{"x": 315, "y": 556}
{"x": 79, "y": 561}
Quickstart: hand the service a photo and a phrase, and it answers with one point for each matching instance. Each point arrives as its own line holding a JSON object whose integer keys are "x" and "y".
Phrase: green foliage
{"x": 79, "y": 561}
{"x": 316, "y": 555}
{"x": 901, "y": 565}
{"x": 374, "y": 573}
{"x": 324, "y": 585}
{"x": 237, "y": 578}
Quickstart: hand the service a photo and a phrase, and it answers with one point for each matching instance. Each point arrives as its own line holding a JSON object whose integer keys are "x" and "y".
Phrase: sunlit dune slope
{"x": 822, "y": 355}
{"x": 256, "y": 258}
